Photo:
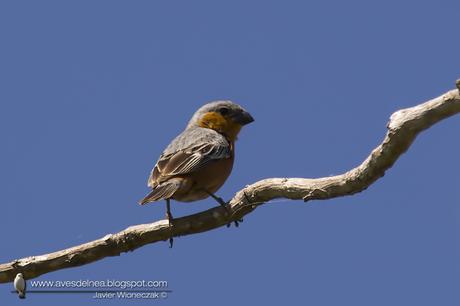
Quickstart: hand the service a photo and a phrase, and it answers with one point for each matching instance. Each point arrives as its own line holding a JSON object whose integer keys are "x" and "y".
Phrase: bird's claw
{"x": 226, "y": 206}
{"x": 236, "y": 222}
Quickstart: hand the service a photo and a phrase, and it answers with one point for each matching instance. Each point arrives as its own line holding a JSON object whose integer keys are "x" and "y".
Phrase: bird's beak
{"x": 243, "y": 118}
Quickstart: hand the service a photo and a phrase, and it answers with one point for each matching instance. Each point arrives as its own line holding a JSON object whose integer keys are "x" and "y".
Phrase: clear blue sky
{"x": 92, "y": 92}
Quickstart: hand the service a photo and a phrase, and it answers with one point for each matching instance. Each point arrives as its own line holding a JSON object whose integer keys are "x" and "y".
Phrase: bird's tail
{"x": 163, "y": 191}
{"x": 21, "y": 294}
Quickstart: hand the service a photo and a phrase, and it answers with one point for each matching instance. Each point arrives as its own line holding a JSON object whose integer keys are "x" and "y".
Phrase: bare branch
{"x": 403, "y": 127}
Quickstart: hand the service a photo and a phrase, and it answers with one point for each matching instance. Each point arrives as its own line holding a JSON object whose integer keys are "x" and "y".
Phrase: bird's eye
{"x": 223, "y": 111}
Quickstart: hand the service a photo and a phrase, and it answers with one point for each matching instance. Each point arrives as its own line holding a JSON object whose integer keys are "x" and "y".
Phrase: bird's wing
{"x": 189, "y": 156}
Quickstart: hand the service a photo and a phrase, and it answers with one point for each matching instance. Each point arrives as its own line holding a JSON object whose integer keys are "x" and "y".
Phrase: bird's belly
{"x": 208, "y": 179}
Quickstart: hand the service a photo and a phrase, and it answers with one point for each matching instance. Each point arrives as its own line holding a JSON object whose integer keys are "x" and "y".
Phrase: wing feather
{"x": 187, "y": 160}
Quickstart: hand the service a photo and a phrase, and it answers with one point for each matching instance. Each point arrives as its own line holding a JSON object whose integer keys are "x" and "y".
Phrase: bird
{"x": 200, "y": 159}
{"x": 20, "y": 286}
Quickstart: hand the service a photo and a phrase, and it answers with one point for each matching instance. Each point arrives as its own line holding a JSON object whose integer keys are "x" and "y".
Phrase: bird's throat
{"x": 220, "y": 124}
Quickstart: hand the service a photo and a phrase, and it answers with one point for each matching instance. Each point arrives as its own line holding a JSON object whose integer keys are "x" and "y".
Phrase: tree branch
{"x": 403, "y": 127}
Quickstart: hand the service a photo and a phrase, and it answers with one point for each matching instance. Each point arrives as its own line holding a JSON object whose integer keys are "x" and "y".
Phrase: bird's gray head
{"x": 225, "y": 117}
{"x": 19, "y": 275}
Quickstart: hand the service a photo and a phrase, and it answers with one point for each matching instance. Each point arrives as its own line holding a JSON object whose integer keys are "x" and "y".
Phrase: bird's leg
{"x": 219, "y": 200}
{"x": 224, "y": 205}
{"x": 168, "y": 212}
{"x": 170, "y": 220}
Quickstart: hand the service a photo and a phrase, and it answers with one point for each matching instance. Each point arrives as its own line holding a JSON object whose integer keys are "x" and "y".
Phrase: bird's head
{"x": 225, "y": 117}
{"x": 19, "y": 275}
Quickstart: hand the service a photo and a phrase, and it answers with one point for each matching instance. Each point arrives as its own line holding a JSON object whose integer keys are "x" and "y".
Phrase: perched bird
{"x": 200, "y": 159}
{"x": 20, "y": 285}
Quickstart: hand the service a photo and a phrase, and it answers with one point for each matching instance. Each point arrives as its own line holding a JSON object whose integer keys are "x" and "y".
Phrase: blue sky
{"x": 92, "y": 92}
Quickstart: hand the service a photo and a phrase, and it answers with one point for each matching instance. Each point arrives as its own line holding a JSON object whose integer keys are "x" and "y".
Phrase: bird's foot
{"x": 236, "y": 222}
{"x": 229, "y": 214}
{"x": 226, "y": 206}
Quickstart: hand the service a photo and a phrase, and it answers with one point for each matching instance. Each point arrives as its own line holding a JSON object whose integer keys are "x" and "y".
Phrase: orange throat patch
{"x": 220, "y": 124}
